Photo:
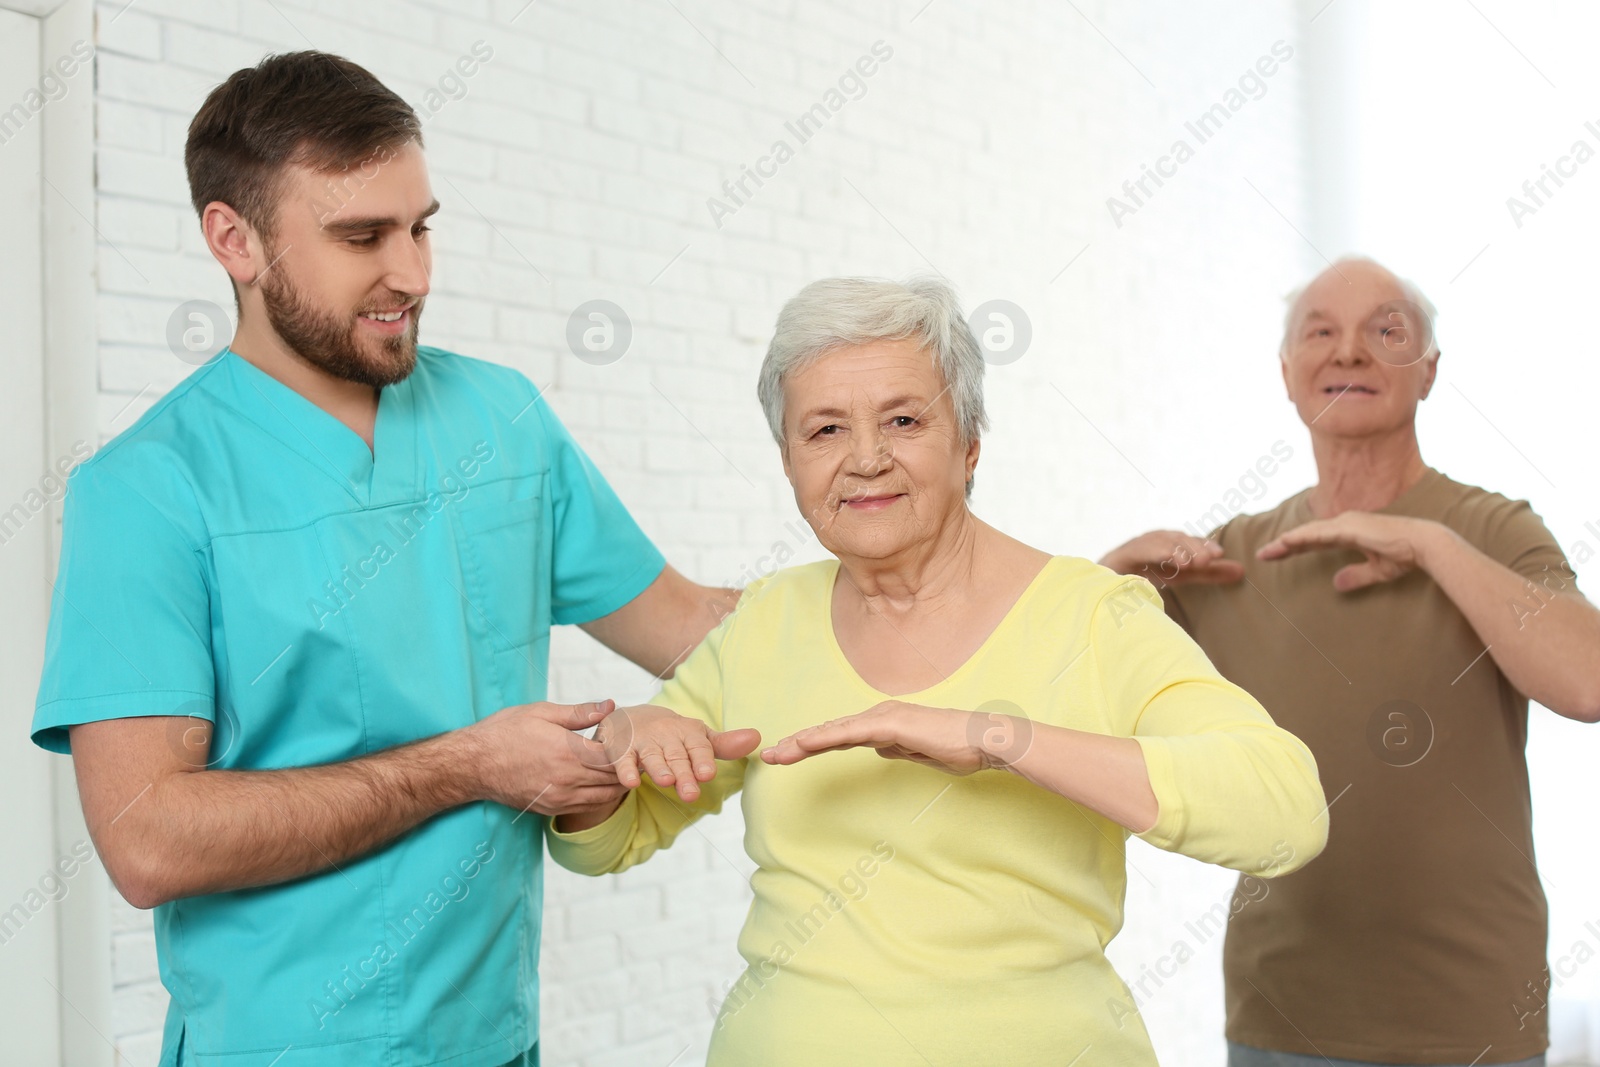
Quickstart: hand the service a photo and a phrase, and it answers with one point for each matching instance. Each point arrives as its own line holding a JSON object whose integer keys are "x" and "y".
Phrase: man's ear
{"x": 1283, "y": 369}
{"x": 972, "y": 457}
{"x": 233, "y": 242}
{"x": 1430, "y": 375}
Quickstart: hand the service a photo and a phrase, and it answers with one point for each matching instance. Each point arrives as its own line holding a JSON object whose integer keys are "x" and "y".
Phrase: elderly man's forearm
{"x": 212, "y": 831}
{"x": 1550, "y": 652}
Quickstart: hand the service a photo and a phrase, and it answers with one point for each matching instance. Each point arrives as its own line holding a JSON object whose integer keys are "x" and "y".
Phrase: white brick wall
{"x": 988, "y": 144}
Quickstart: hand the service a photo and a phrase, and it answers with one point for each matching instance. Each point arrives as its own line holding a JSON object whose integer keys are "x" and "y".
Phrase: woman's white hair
{"x": 1410, "y": 288}
{"x": 838, "y": 312}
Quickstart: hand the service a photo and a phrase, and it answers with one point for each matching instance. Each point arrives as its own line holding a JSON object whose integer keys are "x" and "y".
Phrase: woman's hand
{"x": 956, "y": 742}
{"x": 672, "y": 749}
{"x": 1105, "y": 774}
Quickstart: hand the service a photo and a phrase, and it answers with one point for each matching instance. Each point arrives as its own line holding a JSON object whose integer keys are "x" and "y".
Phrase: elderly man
{"x": 1398, "y": 621}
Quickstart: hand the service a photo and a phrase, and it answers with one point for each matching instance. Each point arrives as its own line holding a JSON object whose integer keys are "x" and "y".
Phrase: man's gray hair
{"x": 1412, "y": 291}
{"x": 839, "y": 312}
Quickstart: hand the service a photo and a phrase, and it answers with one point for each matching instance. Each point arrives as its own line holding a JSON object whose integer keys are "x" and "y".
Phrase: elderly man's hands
{"x": 672, "y": 749}
{"x": 1393, "y": 545}
{"x": 1171, "y": 557}
{"x": 956, "y": 742}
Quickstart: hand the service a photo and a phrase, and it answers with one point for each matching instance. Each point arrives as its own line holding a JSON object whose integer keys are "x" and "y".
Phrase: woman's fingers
{"x": 698, "y": 748}
{"x": 683, "y": 772}
{"x": 734, "y": 744}
{"x": 850, "y": 732}
{"x": 655, "y": 764}
{"x": 627, "y": 768}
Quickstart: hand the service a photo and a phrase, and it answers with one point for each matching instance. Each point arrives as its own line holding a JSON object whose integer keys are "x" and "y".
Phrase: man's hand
{"x": 956, "y": 742}
{"x": 530, "y": 757}
{"x": 1171, "y": 557}
{"x": 672, "y": 749}
{"x": 1393, "y": 544}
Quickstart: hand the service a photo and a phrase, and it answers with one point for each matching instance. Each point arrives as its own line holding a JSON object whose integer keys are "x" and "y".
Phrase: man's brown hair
{"x": 307, "y": 108}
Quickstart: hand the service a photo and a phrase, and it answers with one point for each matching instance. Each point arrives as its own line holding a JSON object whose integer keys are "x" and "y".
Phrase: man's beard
{"x": 326, "y": 341}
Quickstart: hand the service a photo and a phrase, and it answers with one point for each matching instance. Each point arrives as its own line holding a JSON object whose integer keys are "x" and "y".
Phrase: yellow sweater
{"x": 907, "y": 916}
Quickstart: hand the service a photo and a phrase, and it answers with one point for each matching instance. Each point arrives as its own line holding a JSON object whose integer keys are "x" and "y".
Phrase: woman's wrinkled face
{"x": 873, "y": 449}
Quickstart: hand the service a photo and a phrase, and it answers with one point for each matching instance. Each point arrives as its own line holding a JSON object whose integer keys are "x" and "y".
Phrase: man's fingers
{"x": 734, "y": 744}
{"x": 591, "y": 774}
{"x": 593, "y": 754}
{"x": 1359, "y": 576}
{"x": 583, "y": 798}
{"x": 1318, "y": 533}
{"x": 1282, "y": 547}
{"x": 574, "y": 716}
{"x": 1222, "y": 572}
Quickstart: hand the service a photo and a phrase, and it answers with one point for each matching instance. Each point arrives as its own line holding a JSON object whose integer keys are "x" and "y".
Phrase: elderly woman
{"x": 967, "y": 729}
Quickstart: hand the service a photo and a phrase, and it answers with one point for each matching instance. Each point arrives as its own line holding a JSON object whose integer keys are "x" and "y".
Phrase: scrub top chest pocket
{"x": 503, "y": 559}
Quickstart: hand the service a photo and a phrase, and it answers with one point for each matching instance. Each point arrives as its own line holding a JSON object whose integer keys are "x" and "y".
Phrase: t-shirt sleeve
{"x": 1231, "y": 786}
{"x": 602, "y": 558}
{"x": 130, "y": 616}
{"x": 652, "y": 817}
{"x": 1515, "y": 536}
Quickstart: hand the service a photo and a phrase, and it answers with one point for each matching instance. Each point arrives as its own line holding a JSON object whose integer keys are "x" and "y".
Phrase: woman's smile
{"x": 876, "y": 502}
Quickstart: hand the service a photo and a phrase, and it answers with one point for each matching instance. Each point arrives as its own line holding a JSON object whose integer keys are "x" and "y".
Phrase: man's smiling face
{"x": 349, "y": 265}
{"x": 1358, "y": 354}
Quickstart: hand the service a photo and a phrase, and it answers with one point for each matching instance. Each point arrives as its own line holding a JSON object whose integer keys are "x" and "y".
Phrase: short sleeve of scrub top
{"x": 593, "y": 534}
{"x": 129, "y": 627}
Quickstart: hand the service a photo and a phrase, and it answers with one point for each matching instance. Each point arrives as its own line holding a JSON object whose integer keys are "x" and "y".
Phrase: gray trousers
{"x": 1248, "y": 1056}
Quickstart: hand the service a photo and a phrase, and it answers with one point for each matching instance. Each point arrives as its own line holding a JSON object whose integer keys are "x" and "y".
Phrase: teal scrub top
{"x": 240, "y": 555}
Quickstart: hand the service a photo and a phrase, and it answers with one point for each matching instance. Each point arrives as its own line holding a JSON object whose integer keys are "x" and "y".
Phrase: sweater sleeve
{"x": 1232, "y": 787}
{"x": 652, "y": 817}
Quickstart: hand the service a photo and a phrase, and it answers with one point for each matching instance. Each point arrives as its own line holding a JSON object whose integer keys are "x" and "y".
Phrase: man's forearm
{"x": 660, "y": 627}
{"x": 1546, "y": 642}
{"x": 210, "y": 831}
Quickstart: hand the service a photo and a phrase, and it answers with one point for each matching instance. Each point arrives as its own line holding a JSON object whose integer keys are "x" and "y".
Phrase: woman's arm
{"x": 649, "y": 818}
{"x": 1105, "y": 774}
{"x": 1194, "y": 763}
{"x": 677, "y": 751}
{"x": 672, "y": 749}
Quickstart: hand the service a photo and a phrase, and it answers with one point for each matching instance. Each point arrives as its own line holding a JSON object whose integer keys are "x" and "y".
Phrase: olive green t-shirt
{"x": 1418, "y": 935}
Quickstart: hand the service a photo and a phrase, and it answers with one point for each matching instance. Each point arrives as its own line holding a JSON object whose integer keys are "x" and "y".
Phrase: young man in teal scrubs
{"x": 298, "y": 643}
